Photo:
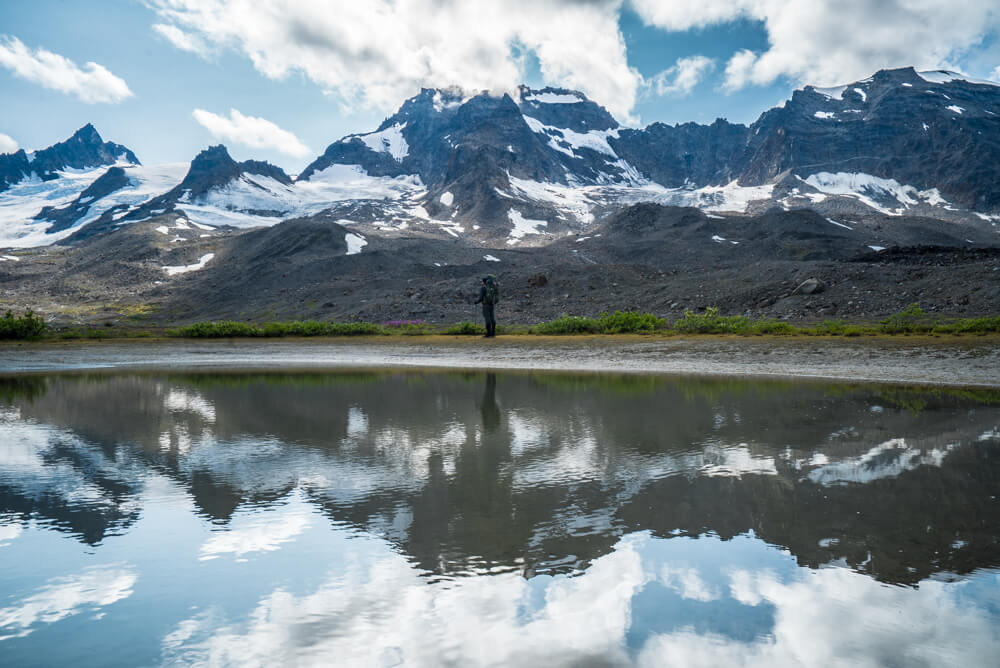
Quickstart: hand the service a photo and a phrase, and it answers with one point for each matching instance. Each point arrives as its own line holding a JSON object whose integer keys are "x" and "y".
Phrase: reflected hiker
{"x": 490, "y": 408}
{"x": 489, "y": 295}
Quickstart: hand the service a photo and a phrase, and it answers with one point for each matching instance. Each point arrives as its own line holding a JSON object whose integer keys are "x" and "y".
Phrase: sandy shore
{"x": 966, "y": 361}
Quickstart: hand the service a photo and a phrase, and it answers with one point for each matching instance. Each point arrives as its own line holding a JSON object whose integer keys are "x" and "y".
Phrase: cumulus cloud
{"x": 251, "y": 131}
{"x": 182, "y": 40}
{"x": 681, "y": 78}
{"x": 995, "y": 74}
{"x": 7, "y": 143}
{"x": 828, "y": 42}
{"x": 92, "y": 83}
{"x": 379, "y": 52}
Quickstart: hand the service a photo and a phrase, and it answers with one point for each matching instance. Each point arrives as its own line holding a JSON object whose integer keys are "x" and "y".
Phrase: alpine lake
{"x": 452, "y": 518}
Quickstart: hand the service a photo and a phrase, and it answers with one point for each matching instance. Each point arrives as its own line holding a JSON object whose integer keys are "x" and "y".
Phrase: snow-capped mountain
{"x": 84, "y": 150}
{"x": 529, "y": 167}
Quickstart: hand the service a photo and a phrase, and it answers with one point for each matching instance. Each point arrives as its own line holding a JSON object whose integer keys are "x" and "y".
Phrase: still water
{"x": 429, "y": 518}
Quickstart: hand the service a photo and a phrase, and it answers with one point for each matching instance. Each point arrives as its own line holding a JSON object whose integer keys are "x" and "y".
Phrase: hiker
{"x": 489, "y": 295}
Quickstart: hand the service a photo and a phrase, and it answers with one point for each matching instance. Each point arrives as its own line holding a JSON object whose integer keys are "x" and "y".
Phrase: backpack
{"x": 492, "y": 292}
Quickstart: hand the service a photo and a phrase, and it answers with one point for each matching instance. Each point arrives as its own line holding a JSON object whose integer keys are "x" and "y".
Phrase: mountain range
{"x": 550, "y": 162}
{"x": 454, "y": 179}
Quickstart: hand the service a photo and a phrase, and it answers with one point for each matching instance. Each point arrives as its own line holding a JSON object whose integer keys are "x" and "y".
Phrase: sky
{"x": 280, "y": 80}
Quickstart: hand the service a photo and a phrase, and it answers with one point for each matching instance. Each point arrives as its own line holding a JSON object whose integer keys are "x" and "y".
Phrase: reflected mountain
{"x": 533, "y": 472}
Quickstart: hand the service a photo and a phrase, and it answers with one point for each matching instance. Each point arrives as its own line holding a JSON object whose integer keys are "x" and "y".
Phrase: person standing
{"x": 489, "y": 295}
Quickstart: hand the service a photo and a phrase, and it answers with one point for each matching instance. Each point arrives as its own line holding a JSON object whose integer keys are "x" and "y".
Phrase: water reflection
{"x": 499, "y": 518}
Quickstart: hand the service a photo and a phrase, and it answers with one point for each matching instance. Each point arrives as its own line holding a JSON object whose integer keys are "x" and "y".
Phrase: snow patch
{"x": 389, "y": 141}
{"x": 873, "y": 191}
{"x": 944, "y": 76}
{"x": 491, "y": 258}
{"x": 595, "y": 140}
{"x": 824, "y": 114}
{"x": 877, "y": 248}
{"x": 954, "y": 107}
{"x": 834, "y": 93}
{"x": 185, "y": 268}
{"x": 25, "y": 199}
{"x": 355, "y": 242}
{"x": 864, "y": 96}
{"x": 522, "y": 226}
{"x": 553, "y": 98}
{"x": 831, "y": 220}
{"x": 447, "y": 198}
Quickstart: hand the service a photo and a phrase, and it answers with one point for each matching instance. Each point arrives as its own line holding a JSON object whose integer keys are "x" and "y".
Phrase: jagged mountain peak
{"x": 87, "y": 134}
{"x": 85, "y": 149}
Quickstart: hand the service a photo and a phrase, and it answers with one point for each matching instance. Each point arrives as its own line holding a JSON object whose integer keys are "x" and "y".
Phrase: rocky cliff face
{"x": 928, "y": 130}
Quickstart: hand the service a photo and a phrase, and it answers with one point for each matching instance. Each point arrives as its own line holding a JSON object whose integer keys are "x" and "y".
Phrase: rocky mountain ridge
{"x": 84, "y": 149}
{"x": 494, "y": 169}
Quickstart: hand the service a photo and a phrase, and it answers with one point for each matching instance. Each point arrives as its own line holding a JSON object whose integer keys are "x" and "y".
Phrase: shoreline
{"x": 967, "y": 361}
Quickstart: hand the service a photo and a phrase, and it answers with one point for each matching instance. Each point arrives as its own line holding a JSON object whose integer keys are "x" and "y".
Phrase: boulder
{"x": 809, "y": 286}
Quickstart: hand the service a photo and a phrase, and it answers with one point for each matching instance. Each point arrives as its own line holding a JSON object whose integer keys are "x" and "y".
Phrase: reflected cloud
{"x": 65, "y": 596}
{"x": 178, "y": 400}
{"x": 257, "y": 532}
{"x": 10, "y": 529}
{"x": 886, "y": 460}
{"x": 650, "y": 601}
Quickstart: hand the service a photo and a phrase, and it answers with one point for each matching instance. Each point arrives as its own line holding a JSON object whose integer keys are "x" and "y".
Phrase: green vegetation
{"x": 27, "y": 326}
{"x": 619, "y": 322}
{"x": 233, "y": 329}
{"x": 910, "y": 320}
{"x": 465, "y": 328}
{"x": 713, "y": 322}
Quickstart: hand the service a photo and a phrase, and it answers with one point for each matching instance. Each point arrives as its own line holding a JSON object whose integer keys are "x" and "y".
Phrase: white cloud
{"x": 995, "y": 74}
{"x": 681, "y": 78}
{"x": 182, "y": 40}
{"x": 7, "y": 143}
{"x": 377, "y": 53}
{"x": 251, "y": 131}
{"x": 828, "y": 42}
{"x": 92, "y": 83}
{"x": 738, "y": 69}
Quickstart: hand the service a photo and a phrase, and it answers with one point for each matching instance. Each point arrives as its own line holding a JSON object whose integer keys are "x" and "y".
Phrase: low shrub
{"x": 465, "y": 328}
{"x": 619, "y": 322}
{"x": 629, "y": 322}
{"x": 910, "y": 319}
{"x": 771, "y": 326}
{"x": 232, "y": 329}
{"x": 712, "y": 322}
{"x": 215, "y": 330}
{"x": 568, "y": 324}
{"x": 982, "y": 325}
{"x": 27, "y": 326}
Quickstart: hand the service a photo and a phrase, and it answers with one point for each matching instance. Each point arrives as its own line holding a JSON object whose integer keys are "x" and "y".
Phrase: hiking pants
{"x": 491, "y": 321}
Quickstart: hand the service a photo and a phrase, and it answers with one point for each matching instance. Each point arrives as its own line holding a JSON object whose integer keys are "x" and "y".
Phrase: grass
{"x": 910, "y": 320}
{"x": 231, "y": 329}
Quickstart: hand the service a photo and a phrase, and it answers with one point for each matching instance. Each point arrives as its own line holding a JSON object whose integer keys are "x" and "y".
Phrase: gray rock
{"x": 809, "y": 286}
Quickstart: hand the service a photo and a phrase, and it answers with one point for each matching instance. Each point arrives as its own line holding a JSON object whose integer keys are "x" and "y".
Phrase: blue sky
{"x": 301, "y": 74}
